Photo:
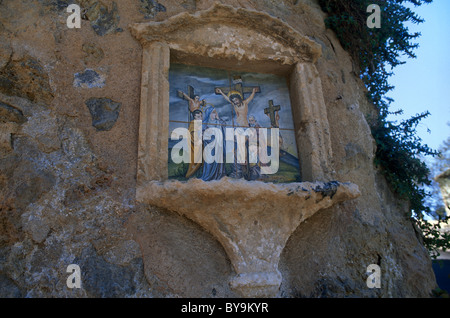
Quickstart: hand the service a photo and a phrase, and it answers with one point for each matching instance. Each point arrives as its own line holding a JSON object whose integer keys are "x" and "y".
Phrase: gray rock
{"x": 93, "y": 52}
{"x": 38, "y": 229}
{"x": 102, "y": 279}
{"x": 88, "y": 79}
{"x": 32, "y": 184}
{"x": 104, "y": 112}
{"x": 150, "y": 8}
{"x": 75, "y": 146}
{"x": 8, "y": 289}
{"x": 103, "y": 21}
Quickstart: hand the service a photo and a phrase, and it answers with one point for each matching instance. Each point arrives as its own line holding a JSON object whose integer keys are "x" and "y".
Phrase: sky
{"x": 423, "y": 83}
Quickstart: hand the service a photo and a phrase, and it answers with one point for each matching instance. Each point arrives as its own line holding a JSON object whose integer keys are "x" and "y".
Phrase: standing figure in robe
{"x": 254, "y": 162}
{"x": 216, "y": 169}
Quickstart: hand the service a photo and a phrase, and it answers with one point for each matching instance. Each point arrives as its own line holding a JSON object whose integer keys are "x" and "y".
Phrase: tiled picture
{"x": 230, "y": 124}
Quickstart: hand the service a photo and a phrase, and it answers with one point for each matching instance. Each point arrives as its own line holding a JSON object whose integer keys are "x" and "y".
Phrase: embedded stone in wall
{"x": 33, "y": 186}
{"x": 37, "y": 229}
{"x": 26, "y": 78}
{"x": 89, "y": 79}
{"x": 6, "y": 131}
{"x": 9, "y": 113}
{"x": 5, "y": 49}
{"x": 103, "y": 20}
{"x": 189, "y": 4}
{"x": 104, "y": 112}
{"x": 102, "y": 279}
{"x": 150, "y": 8}
{"x": 10, "y": 119}
{"x": 93, "y": 52}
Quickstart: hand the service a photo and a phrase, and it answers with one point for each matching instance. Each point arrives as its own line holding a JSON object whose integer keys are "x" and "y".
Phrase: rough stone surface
{"x": 68, "y": 192}
{"x": 10, "y": 114}
{"x": 25, "y": 77}
{"x": 93, "y": 53}
{"x": 10, "y": 120}
{"x": 150, "y": 8}
{"x": 103, "y": 20}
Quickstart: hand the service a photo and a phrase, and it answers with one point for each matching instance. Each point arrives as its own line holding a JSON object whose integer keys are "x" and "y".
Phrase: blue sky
{"x": 423, "y": 83}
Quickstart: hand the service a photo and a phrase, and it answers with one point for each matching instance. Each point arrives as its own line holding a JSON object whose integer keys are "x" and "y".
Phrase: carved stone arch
{"x": 222, "y": 33}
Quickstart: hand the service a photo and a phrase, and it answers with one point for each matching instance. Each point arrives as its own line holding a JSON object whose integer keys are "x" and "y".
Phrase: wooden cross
{"x": 190, "y": 93}
{"x": 238, "y": 87}
{"x": 271, "y": 112}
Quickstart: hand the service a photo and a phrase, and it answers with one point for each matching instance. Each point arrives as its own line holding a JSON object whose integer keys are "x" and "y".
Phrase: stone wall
{"x": 69, "y": 121}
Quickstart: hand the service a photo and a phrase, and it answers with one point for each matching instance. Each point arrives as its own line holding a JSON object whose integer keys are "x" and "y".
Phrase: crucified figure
{"x": 194, "y": 103}
{"x": 240, "y": 105}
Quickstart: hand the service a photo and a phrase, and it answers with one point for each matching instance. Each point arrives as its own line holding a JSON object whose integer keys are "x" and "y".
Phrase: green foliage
{"x": 440, "y": 293}
{"x": 377, "y": 51}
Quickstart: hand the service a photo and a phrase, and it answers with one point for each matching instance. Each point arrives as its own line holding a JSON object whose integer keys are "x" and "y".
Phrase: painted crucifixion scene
{"x": 230, "y": 124}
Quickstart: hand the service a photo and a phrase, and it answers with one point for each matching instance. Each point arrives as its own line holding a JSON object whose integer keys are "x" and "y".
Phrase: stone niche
{"x": 251, "y": 219}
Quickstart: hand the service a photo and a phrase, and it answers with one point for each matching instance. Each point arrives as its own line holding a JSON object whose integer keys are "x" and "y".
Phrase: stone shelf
{"x": 252, "y": 220}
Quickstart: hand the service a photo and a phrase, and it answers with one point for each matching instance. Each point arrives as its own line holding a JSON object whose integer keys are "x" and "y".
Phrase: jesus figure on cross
{"x": 240, "y": 106}
{"x": 235, "y": 98}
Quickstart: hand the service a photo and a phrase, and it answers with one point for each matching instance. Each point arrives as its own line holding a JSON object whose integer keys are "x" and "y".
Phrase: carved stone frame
{"x": 233, "y": 37}
{"x": 243, "y": 40}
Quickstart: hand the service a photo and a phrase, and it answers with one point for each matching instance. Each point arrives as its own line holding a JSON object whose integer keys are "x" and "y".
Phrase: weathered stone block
{"x": 103, "y": 20}
{"x": 9, "y": 113}
{"x": 26, "y": 77}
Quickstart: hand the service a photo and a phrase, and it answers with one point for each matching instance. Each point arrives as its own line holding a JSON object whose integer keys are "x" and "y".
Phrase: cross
{"x": 190, "y": 93}
{"x": 238, "y": 87}
{"x": 271, "y": 112}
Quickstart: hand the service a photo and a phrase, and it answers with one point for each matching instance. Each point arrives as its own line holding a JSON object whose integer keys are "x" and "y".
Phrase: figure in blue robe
{"x": 216, "y": 169}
